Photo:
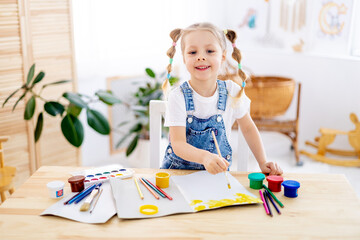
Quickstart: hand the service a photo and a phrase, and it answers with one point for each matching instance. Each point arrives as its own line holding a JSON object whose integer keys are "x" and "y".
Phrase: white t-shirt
{"x": 206, "y": 107}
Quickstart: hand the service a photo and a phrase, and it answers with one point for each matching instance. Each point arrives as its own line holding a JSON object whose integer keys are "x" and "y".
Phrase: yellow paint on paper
{"x": 199, "y": 208}
{"x": 194, "y": 202}
{"x": 246, "y": 198}
{"x": 240, "y": 198}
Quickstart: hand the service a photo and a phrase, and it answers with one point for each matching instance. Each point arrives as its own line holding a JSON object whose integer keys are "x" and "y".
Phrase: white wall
{"x": 124, "y": 37}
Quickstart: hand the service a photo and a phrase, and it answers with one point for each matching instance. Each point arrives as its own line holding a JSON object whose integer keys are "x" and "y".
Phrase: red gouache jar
{"x": 77, "y": 183}
{"x": 274, "y": 183}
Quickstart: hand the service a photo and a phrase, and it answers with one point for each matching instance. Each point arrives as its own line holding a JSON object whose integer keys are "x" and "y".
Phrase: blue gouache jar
{"x": 291, "y": 188}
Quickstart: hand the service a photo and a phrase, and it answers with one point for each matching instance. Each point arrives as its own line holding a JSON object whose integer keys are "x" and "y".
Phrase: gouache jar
{"x": 256, "y": 180}
{"x": 56, "y": 189}
{"x": 291, "y": 188}
{"x": 162, "y": 179}
{"x": 77, "y": 183}
{"x": 274, "y": 183}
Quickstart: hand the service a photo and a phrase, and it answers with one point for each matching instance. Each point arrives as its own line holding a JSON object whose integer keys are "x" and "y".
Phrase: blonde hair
{"x": 220, "y": 36}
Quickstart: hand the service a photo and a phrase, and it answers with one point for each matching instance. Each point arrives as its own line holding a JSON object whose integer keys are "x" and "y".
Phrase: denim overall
{"x": 198, "y": 132}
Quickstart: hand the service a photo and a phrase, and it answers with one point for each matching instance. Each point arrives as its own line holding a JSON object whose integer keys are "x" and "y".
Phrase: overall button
{"x": 218, "y": 118}
{"x": 190, "y": 120}
{"x": 228, "y": 157}
{"x": 169, "y": 150}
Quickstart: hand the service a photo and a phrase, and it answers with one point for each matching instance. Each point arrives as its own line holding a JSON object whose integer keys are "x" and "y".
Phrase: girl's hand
{"x": 215, "y": 164}
{"x": 271, "y": 168}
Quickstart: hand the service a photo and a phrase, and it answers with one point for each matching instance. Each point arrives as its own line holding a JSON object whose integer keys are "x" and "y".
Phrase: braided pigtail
{"x": 231, "y": 36}
{"x": 175, "y": 35}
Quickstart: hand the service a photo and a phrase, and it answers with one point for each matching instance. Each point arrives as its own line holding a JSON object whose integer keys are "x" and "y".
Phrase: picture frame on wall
{"x": 331, "y": 27}
{"x": 124, "y": 87}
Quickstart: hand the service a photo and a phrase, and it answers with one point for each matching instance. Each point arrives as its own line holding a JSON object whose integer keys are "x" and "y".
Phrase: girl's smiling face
{"x": 202, "y": 55}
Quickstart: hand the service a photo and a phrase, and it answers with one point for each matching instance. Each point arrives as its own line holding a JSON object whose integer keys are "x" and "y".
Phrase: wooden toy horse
{"x": 328, "y": 136}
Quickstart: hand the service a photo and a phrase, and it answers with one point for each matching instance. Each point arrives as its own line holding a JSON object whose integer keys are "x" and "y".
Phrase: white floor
{"x": 277, "y": 147}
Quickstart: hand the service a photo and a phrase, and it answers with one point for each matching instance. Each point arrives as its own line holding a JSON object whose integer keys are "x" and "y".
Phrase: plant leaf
{"x": 75, "y": 99}
{"x": 72, "y": 130}
{"x": 30, "y": 108}
{"x": 54, "y": 108}
{"x": 21, "y": 97}
{"x": 132, "y": 145}
{"x": 136, "y": 128}
{"x": 7, "y": 99}
{"x": 30, "y": 74}
{"x": 122, "y": 140}
{"x": 97, "y": 121}
{"x": 74, "y": 110}
{"x": 39, "y": 127}
{"x": 55, "y": 83}
{"x": 38, "y": 78}
{"x": 150, "y": 72}
{"x": 122, "y": 123}
{"x": 173, "y": 80}
{"x": 107, "y": 97}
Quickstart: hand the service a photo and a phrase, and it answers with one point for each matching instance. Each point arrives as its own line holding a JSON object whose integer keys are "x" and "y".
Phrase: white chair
{"x": 157, "y": 111}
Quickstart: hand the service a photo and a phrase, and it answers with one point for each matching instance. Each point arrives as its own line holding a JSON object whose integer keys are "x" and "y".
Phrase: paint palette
{"x": 103, "y": 174}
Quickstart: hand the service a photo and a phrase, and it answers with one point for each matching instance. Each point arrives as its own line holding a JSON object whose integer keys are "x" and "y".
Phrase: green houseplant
{"x": 150, "y": 89}
{"x": 68, "y": 107}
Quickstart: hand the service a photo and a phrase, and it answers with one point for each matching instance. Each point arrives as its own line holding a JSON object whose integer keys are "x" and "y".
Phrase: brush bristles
{"x": 229, "y": 186}
{"x": 85, "y": 207}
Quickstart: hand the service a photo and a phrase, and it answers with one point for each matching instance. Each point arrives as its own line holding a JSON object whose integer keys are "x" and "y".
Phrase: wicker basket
{"x": 270, "y": 96}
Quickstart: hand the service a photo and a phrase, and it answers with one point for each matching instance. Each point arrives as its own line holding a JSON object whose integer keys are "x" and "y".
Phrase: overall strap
{"x": 189, "y": 102}
{"x": 222, "y": 95}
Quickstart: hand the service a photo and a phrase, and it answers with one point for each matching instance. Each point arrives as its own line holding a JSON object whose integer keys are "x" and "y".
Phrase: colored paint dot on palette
{"x": 106, "y": 173}
{"x": 114, "y": 171}
{"x": 89, "y": 176}
{"x": 119, "y": 174}
{"x": 98, "y": 174}
{"x": 123, "y": 169}
{"x": 102, "y": 178}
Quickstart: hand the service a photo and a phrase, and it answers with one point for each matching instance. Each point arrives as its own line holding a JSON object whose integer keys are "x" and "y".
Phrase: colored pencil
{"x": 272, "y": 201}
{"x": 267, "y": 203}
{"x": 82, "y": 196}
{"x": 78, "y": 194}
{"x": 138, "y": 188}
{"x": 166, "y": 195}
{"x": 219, "y": 153}
{"x": 96, "y": 200}
{"x": 157, "y": 191}
{"x": 264, "y": 203}
{"x": 277, "y": 200}
{"x": 148, "y": 188}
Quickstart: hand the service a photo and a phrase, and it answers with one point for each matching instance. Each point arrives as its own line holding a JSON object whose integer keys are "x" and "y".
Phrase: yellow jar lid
{"x": 149, "y": 209}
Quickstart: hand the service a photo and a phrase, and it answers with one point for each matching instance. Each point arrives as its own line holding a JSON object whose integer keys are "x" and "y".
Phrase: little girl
{"x": 205, "y": 104}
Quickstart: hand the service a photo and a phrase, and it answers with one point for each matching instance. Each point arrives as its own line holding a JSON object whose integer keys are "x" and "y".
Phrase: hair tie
{"x": 243, "y": 84}
{"x": 171, "y": 60}
{"x": 225, "y": 31}
{"x": 168, "y": 76}
{"x": 239, "y": 66}
{"x": 234, "y": 45}
{"x": 174, "y": 44}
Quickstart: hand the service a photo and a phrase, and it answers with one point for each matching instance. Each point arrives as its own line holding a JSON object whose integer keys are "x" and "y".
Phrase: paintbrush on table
{"x": 89, "y": 199}
{"x": 219, "y": 153}
{"x": 96, "y": 200}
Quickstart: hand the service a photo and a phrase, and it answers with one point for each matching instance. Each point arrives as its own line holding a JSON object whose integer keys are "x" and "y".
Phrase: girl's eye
{"x": 210, "y": 51}
{"x": 192, "y": 52}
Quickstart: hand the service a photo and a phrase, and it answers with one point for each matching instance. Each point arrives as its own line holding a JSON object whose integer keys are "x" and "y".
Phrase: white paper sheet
{"x": 190, "y": 193}
{"x": 103, "y": 211}
{"x": 128, "y": 201}
{"x": 204, "y": 191}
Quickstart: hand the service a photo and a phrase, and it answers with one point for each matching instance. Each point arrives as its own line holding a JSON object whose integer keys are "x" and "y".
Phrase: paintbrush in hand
{"x": 218, "y": 150}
